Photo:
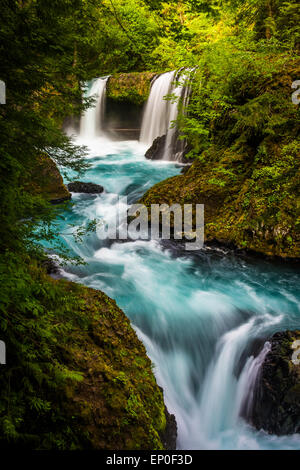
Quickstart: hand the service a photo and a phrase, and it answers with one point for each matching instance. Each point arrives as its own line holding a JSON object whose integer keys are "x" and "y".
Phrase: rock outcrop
{"x": 276, "y": 402}
{"x": 118, "y": 401}
{"x": 228, "y": 220}
{"x": 82, "y": 187}
{"x": 46, "y": 181}
{"x": 156, "y": 151}
{"x": 133, "y": 87}
{"x": 89, "y": 383}
{"x": 169, "y": 435}
{"x": 126, "y": 95}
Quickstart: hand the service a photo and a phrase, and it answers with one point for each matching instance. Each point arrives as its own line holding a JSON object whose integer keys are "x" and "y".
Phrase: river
{"x": 201, "y": 315}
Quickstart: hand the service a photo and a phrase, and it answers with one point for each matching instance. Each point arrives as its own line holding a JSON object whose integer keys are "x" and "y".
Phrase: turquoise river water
{"x": 201, "y": 315}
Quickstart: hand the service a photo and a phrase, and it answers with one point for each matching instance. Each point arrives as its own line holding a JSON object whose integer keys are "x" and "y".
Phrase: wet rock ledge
{"x": 276, "y": 406}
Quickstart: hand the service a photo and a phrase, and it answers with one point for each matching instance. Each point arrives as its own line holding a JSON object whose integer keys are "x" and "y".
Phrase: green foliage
{"x": 47, "y": 51}
{"x": 61, "y": 340}
{"x": 125, "y": 35}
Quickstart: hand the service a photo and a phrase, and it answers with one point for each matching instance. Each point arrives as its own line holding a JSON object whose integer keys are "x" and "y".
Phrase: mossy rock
{"x": 118, "y": 400}
{"x": 46, "y": 181}
{"x": 88, "y": 383}
{"x": 132, "y": 87}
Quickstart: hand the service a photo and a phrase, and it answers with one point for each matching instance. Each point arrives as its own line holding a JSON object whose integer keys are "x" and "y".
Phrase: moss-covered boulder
{"x": 117, "y": 403}
{"x": 132, "y": 87}
{"x": 79, "y": 377}
{"x": 276, "y": 406}
{"x": 46, "y": 181}
{"x": 234, "y": 214}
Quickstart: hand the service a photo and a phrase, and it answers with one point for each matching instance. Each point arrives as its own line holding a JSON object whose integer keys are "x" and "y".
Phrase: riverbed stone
{"x": 82, "y": 187}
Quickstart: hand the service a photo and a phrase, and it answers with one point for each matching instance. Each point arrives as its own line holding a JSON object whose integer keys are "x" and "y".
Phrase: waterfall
{"x": 174, "y": 147}
{"x": 201, "y": 316}
{"x": 249, "y": 379}
{"x": 156, "y": 116}
{"x": 220, "y": 394}
{"x": 91, "y": 123}
{"x": 160, "y": 114}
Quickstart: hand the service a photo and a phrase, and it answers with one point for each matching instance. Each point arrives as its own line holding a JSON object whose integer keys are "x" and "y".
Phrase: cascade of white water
{"x": 91, "y": 123}
{"x": 156, "y": 116}
{"x": 181, "y": 91}
{"x": 198, "y": 327}
{"x": 160, "y": 114}
{"x": 219, "y": 394}
{"x": 248, "y": 381}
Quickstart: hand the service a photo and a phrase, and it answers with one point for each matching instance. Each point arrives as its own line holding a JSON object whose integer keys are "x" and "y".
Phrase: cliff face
{"x": 131, "y": 87}
{"x": 126, "y": 95}
{"x": 276, "y": 407}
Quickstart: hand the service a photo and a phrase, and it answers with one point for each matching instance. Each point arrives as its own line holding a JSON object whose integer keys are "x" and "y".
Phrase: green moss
{"x": 95, "y": 389}
{"x": 133, "y": 87}
{"x": 46, "y": 181}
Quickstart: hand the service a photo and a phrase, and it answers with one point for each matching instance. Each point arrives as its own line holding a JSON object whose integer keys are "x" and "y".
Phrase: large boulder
{"x": 98, "y": 388}
{"x": 46, "y": 181}
{"x": 82, "y": 187}
{"x": 276, "y": 403}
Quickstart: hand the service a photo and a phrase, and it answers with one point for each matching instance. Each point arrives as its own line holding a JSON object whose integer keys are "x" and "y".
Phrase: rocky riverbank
{"x": 98, "y": 389}
{"x": 227, "y": 219}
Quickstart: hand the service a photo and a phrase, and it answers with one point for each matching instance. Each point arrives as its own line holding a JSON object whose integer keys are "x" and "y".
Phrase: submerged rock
{"x": 156, "y": 151}
{"x": 276, "y": 401}
{"x": 82, "y": 187}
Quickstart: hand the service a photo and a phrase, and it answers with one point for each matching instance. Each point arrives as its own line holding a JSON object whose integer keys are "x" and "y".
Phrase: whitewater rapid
{"x": 204, "y": 317}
